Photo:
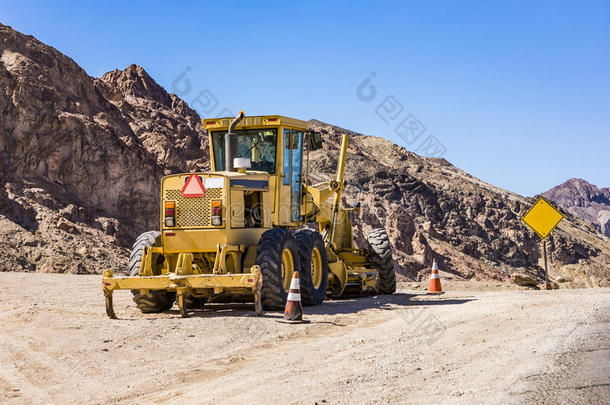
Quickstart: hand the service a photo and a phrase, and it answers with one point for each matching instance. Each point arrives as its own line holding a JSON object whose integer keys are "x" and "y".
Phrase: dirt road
{"x": 57, "y": 346}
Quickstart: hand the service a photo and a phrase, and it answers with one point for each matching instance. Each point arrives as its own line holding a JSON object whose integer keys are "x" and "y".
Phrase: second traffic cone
{"x": 294, "y": 310}
{"x": 435, "y": 281}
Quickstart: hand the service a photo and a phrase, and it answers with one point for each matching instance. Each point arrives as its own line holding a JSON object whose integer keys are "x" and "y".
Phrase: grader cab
{"x": 239, "y": 232}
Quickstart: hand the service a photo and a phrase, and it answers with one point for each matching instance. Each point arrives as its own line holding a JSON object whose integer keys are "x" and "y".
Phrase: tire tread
{"x": 381, "y": 256}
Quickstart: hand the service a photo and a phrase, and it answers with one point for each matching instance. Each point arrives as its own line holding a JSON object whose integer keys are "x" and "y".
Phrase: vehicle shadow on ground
{"x": 222, "y": 310}
{"x": 382, "y": 302}
{"x": 328, "y": 307}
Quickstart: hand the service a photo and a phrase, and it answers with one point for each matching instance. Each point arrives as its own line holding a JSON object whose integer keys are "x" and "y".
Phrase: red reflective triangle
{"x": 193, "y": 187}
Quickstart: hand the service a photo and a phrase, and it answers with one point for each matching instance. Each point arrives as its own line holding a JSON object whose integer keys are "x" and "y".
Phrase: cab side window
{"x": 286, "y": 171}
{"x": 295, "y": 176}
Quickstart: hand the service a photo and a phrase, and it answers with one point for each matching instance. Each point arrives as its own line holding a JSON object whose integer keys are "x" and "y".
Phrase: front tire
{"x": 277, "y": 257}
{"x": 381, "y": 255}
{"x": 314, "y": 266}
{"x": 149, "y": 301}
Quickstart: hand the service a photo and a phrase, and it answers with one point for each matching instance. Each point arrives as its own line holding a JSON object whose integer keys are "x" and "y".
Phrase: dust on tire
{"x": 148, "y": 301}
{"x": 307, "y": 239}
{"x": 381, "y": 256}
{"x": 269, "y": 257}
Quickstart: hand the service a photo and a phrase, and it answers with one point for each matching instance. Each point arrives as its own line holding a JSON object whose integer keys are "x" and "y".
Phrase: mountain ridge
{"x": 82, "y": 159}
{"x": 584, "y": 200}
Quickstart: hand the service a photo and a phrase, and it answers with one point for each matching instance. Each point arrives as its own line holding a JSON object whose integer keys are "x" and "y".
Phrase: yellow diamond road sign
{"x": 542, "y": 217}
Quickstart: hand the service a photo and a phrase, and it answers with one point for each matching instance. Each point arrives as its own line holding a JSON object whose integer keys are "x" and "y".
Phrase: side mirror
{"x": 315, "y": 141}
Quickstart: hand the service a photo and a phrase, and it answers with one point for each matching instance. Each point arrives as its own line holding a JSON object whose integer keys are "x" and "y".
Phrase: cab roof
{"x": 257, "y": 121}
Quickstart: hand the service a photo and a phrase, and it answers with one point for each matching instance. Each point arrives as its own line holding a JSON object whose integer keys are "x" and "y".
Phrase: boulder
{"x": 70, "y": 212}
{"x": 551, "y": 285}
{"x": 66, "y": 225}
{"x": 523, "y": 279}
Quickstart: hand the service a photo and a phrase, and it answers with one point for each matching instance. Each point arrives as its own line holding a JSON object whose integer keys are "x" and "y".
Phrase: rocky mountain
{"x": 432, "y": 209}
{"x": 584, "y": 200}
{"x": 165, "y": 125}
{"x": 81, "y": 161}
{"x": 81, "y": 158}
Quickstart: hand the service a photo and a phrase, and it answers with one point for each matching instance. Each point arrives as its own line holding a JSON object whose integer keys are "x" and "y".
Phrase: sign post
{"x": 542, "y": 218}
{"x": 546, "y": 272}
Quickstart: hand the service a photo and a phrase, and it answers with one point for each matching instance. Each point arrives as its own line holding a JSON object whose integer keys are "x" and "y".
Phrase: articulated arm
{"x": 327, "y": 211}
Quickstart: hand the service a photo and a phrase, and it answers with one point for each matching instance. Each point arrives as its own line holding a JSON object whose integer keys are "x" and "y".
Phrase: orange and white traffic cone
{"x": 293, "y": 313}
{"x": 435, "y": 281}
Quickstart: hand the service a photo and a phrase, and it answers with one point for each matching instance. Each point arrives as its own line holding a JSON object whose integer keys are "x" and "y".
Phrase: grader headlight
{"x": 216, "y": 212}
{"x": 170, "y": 214}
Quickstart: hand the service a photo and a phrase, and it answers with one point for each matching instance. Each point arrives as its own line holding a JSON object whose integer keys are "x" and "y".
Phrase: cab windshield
{"x": 258, "y": 145}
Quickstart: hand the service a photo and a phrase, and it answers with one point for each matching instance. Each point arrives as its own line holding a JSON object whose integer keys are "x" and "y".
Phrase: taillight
{"x": 170, "y": 214}
{"x": 216, "y": 212}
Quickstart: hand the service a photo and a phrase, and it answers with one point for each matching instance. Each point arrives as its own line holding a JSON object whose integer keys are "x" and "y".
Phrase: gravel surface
{"x": 465, "y": 346}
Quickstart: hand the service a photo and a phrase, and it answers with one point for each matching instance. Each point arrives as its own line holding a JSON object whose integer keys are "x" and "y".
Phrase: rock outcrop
{"x": 165, "y": 125}
{"x": 89, "y": 147}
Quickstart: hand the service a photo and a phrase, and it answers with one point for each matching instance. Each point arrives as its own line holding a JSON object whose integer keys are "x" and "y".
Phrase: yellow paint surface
{"x": 542, "y": 218}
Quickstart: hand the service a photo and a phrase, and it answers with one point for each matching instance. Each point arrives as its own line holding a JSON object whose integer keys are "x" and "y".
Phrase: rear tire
{"x": 269, "y": 254}
{"x": 381, "y": 255}
{"x": 149, "y": 301}
{"x": 314, "y": 279}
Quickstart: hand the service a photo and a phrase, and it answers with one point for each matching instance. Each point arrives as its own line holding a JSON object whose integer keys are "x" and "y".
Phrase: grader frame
{"x": 198, "y": 258}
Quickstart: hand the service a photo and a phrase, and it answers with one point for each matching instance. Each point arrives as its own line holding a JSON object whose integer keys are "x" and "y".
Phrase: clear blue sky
{"x": 517, "y": 92}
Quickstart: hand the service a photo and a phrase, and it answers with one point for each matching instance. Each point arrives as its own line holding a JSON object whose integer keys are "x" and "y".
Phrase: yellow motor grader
{"x": 237, "y": 233}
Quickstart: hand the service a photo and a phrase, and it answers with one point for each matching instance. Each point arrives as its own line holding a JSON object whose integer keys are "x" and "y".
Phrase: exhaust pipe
{"x": 231, "y": 142}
